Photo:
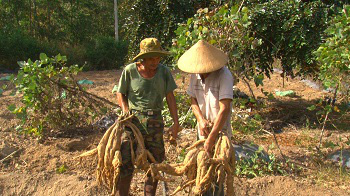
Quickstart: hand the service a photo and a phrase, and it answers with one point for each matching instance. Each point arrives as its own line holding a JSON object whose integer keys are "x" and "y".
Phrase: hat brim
{"x": 151, "y": 54}
{"x": 202, "y": 58}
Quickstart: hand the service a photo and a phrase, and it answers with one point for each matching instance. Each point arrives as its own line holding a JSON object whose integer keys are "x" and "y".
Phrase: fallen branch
{"x": 85, "y": 93}
{"x": 326, "y": 118}
{"x": 10, "y": 155}
{"x": 250, "y": 88}
{"x": 322, "y": 131}
{"x": 278, "y": 146}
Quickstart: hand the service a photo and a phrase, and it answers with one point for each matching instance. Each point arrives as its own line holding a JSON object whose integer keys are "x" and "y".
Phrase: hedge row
{"x": 99, "y": 54}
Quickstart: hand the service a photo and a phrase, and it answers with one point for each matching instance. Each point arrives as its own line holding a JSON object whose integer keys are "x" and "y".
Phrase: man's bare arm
{"x": 123, "y": 102}
{"x": 170, "y": 98}
{"x": 202, "y": 122}
{"x": 219, "y": 122}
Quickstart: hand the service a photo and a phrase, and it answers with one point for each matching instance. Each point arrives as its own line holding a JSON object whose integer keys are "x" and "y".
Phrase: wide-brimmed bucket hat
{"x": 150, "y": 47}
{"x": 202, "y": 58}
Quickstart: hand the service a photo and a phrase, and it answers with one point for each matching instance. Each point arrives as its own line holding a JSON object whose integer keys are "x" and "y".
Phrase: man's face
{"x": 151, "y": 62}
{"x": 204, "y": 75}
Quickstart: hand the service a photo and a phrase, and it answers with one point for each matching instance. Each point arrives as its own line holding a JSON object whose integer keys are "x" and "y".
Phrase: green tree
{"x": 255, "y": 36}
{"x": 334, "y": 54}
{"x": 149, "y": 18}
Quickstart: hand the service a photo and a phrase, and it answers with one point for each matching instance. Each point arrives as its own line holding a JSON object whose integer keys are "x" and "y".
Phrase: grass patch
{"x": 257, "y": 166}
{"x": 331, "y": 175}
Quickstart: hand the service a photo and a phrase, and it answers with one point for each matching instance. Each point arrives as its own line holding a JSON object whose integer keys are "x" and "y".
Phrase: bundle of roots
{"x": 200, "y": 169}
{"x": 109, "y": 154}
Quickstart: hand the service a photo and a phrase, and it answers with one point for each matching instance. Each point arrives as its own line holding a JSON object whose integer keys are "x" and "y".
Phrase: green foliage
{"x": 186, "y": 116}
{"x": 246, "y": 124}
{"x": 334, "y": 53}
{"x": 18, "y": 46}
{"x": 181, "y": 156}
{"x": 51, "y": 98}
{"x": 102, "y": 53}
{"x": 257, "y": 166}
{"x": 61, "y": 169}
{"x": 252, "y": 37}
{"x": 223, "y": 27}
{"x": 243, "y": 119}
{"x": 106, "y": 53}
{"x": 289, "y": 31}
{"x": 28, "y": 28}
{"x": 255, "y": 36}
{"x": 154, "y": 18}
{"x": 76, "y": 54}
{"x": 323, "y": 109}
{"x": 73, "y": 22}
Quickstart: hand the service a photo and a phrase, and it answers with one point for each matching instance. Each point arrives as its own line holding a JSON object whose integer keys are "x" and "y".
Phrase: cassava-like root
{"x": 109, "y": 158}
{"x": 196, "y": 144}
{"x": 87, "y": 154}
{"x": 230, "y": 174}
{"x": 186, "y": 184}
{"x": 221, "y": 177}
{"x": 201, "y": 169}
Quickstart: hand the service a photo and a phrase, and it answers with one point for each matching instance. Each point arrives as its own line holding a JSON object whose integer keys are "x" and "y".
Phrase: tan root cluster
{"x": 109, "y": 154}
{"x": 200, "y": 169}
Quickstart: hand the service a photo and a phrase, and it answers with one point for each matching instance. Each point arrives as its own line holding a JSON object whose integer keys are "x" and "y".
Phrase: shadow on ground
{"x": 282, "y": 113}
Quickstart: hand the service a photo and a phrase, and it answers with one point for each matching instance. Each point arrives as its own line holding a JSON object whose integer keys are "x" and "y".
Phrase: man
{"x": 211, "y": 92}
{"x": 142, "y": 88}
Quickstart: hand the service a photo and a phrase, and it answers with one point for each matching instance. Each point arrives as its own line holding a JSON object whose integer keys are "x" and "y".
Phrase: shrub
{"x": 257, "y": 166}
{"x": 76, "y": 54}
{"x": 17, "y": 46}
{"x": 334, "y": 54}
{"x": 106, "y": 53}
{"x": 52, "y": 99}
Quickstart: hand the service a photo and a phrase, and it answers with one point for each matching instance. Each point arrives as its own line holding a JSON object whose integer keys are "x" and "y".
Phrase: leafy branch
{"x": 52, "y": 99}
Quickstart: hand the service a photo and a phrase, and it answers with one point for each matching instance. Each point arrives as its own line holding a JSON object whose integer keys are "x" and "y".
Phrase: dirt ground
{"x": 33, "y": 168}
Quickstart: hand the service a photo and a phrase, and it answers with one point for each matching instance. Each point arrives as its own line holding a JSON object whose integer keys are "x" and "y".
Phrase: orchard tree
{"x": 334, "y": 54}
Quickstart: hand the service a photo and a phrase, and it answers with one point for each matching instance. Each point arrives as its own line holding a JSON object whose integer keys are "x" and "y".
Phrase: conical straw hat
{"x": 202, "y": 58}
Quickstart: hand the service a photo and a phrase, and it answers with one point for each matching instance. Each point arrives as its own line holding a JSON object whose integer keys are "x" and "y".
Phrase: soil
{"x": 34, "y": 168}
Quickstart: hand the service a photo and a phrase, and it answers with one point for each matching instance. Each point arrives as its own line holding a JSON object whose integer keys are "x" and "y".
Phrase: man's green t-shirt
{"x": 146, "y": 94}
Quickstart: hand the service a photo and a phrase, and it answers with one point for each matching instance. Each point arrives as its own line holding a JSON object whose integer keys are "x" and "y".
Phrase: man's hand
{"x": 204, "y": 127}
{"x": 218, "y": 124}
{"x": 174, "y": 130}
{"x": 209, "y": 144}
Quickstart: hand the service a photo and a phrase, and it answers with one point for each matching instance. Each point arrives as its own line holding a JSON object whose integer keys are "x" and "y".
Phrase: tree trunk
{"x": 116, "y": 20}
{"x": 30, "y": 17}
{"x": 35, "y": 22}
{"x": 48, "y": 21}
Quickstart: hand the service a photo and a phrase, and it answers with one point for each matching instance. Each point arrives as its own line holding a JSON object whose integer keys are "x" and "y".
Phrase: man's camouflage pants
{"x": 151, "y": 128}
